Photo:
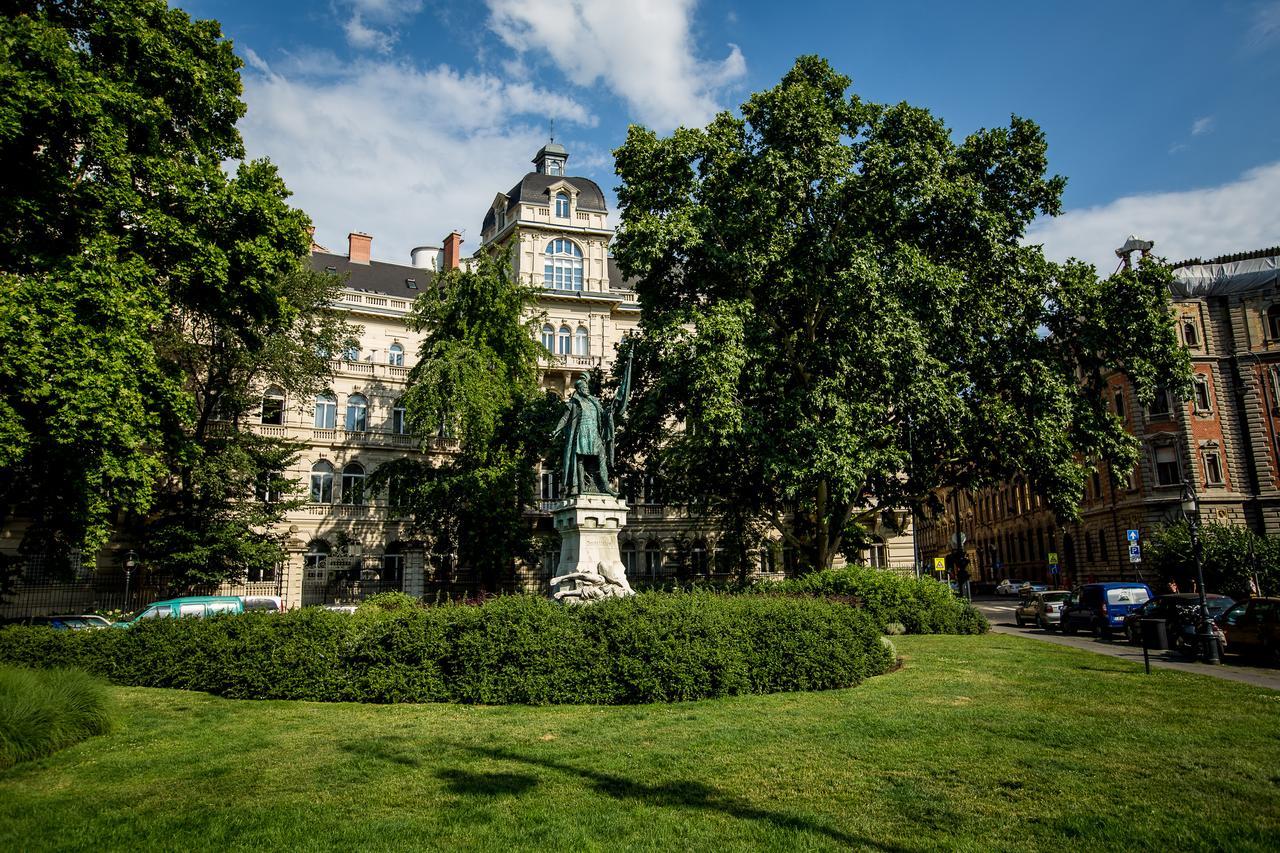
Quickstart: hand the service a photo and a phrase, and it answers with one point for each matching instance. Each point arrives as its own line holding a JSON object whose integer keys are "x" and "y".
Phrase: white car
{"x": 1009, "y": 586}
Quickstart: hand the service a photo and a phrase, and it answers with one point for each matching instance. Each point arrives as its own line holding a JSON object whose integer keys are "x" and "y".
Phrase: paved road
{"x": 1000, "y": 613}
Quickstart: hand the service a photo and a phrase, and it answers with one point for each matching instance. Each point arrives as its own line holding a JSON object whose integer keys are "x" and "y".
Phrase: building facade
{"x": 346, "y": 541}
{"x": 1224, "y": 442}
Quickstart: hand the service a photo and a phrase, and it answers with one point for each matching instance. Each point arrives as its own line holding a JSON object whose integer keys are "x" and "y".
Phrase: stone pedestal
{"x": 588, "y": 526}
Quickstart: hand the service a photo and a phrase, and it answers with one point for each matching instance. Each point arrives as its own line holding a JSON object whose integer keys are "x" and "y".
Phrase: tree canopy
{"x": 119, "y": 221}
{"x": 839, "y": 313}
{"x": 476, "y": 386}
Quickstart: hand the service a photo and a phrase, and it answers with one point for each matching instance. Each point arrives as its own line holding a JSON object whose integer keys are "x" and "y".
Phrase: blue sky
{"x": 403, "y": 118}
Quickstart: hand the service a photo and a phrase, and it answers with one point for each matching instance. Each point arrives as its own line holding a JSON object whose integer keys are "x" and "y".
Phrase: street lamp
{"x": 1191, "y": 512}
{"x": 130, "y": 560}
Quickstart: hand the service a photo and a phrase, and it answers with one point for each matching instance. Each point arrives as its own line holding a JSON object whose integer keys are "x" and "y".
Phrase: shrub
{"x": 896, "y": 603}
{"x": 389, "y": 602}
{"x": 513, "y": 649}
{"x": 44, "y": 711}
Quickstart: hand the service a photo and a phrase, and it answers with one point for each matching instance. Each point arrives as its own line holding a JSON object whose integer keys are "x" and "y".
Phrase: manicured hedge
{"x": 653, "y": 647}
{"x": 42, "y": 711}
{"x": 919, "y": 605}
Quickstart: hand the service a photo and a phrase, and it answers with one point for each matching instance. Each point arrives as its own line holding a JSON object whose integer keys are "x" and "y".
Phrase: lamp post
{"x": 130, "y": 560}
{"x": 1191, "y": 512}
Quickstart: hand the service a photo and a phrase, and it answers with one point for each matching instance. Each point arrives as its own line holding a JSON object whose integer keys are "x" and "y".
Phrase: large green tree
{"x": 117, "y": 118}
{"x": 839, "y": 313}
{"x": 476, "y": 386}
{"x": 218, "y": 512}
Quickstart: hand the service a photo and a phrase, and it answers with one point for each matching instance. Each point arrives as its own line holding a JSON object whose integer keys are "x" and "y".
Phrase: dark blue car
{"x": 1101, "y": 607}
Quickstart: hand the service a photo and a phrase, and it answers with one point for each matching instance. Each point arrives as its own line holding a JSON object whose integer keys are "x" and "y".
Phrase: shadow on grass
{"x": 386, "y": 749}
{"x": 486, "y": 784}
{"x": 683, "y": 794}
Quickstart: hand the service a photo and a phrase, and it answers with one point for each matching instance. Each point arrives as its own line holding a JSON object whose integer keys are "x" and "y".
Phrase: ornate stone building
{"x": 1225, "y": 441}
{"x": 346, "y": 541}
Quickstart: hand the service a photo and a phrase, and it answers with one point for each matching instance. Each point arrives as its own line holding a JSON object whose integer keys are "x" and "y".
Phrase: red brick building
{"x": 1225, "y": 440}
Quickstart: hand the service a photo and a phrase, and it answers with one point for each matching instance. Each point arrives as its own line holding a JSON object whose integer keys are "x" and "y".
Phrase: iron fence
{"x": 116, "y": 593}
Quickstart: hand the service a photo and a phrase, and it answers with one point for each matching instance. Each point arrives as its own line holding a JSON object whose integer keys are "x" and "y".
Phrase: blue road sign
{"x": 1135, "y": 554}
{"x": 1132, "y": 535}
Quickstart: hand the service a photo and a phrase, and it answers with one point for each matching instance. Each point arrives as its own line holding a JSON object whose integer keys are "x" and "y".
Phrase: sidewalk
{"x": 1000, "y": 613}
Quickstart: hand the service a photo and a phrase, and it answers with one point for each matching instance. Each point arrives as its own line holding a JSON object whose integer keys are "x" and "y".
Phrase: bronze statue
{"x": 590, "y": 426}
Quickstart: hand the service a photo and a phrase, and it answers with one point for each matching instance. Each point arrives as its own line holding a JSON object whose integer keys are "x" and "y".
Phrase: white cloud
{"x": 1234, "y": 217}
{"x": 642, "y": 51}
{"x": 1202, "y": 125}
{"x": 383, "y": 13}
{"x": 406, "y": 154}
{"x": 364, "y": 37}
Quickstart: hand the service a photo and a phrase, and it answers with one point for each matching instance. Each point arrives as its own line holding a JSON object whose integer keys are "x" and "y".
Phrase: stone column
{"x": 415, "y": 580}
{"x": 291, "y": 583}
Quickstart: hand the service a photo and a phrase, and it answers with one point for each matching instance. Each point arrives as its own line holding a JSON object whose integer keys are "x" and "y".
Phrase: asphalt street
{"x": 999, "y": 611}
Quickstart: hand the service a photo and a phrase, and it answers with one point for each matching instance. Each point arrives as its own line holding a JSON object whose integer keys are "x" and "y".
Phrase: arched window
{"x": 581, "y": 346}
{"x": 353, "y": 484}
{"x": 1273, "y": 322}
{"x": 351, "y": 351}
{"x": 357, "y": 413}
{"x": 1190, "y": 336}
{"x": 315, "y": 560}
{"x": 273, "y": 406}
{"x": 549, "y": 337}
{"x": 326, "y": 411}
{"x": 393, "y": 566}
{"x": 630, "y": 559}
{"x": 562, "y": 205}
{"x": 563, "y": 340}
{"x": 398, "y": 424}
{"x": 563, "y": 267}
{"x": 395, "y": 356}
{"x": 322, "y": 483}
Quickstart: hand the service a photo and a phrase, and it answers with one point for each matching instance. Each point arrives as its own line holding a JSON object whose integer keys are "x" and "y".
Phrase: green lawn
{"x": 982, "y": 743}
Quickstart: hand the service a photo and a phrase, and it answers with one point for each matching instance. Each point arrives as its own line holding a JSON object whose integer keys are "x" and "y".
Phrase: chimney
{"x": 452, "y": 251}
{"x": 358, "y": 244}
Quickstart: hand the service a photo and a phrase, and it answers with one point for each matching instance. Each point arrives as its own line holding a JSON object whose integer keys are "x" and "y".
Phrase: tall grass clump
{"x": 42, "y": 711}
{"x": 919, "y": 605}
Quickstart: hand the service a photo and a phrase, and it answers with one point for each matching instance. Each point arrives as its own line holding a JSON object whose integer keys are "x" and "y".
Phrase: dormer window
{"x": 562, "y": 205}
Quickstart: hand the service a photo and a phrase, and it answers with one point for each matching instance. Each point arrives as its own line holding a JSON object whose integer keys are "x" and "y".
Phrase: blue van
{"x": 1101, "y": 607}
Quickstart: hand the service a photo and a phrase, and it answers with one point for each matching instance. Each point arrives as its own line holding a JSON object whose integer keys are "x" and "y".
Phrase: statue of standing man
{"x": 589, "y": 428}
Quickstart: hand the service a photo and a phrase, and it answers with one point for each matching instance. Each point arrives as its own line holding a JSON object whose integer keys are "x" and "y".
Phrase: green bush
{"x": 654, "y": 647}
{"x": 44, "y": 711}
{"x": 389, "y": 602}
{"x": 897, "y": 604}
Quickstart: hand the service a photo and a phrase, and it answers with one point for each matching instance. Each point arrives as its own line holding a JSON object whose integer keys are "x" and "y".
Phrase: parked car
{"x": 1253, "y": 627}
{"x": 1042, "y": 608}
{"x": 1010, "y": 586}
{"x": 1101, "y": 607}
{"x": 1181, "y": 612}
{"x": 67, "y": 622}
{"x": 262, "y": 603}
{"x": 191, "y": 606}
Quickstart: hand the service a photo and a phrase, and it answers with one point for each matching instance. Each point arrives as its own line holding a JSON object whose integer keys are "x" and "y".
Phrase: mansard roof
{"x": 375, "y": 276}
{"x": 533, "y": 187}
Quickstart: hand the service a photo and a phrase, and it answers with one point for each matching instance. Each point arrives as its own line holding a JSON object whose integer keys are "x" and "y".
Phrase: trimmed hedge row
{"x": 654, "y": 647}
{"x": 44, "y": 711}
{"x": 919, "y": 605}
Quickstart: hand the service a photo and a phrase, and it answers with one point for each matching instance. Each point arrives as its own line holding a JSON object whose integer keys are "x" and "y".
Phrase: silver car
{"x": 1041, "y": 608}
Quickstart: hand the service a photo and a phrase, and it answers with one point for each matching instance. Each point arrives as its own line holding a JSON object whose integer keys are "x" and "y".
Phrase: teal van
{"x": 197, "y": 606}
